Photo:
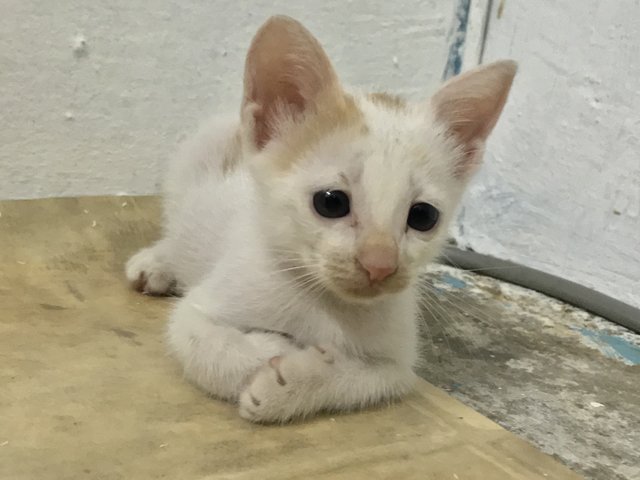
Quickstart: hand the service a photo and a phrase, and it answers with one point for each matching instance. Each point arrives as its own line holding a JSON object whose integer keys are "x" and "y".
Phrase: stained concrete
{"x": 564, "y": 379}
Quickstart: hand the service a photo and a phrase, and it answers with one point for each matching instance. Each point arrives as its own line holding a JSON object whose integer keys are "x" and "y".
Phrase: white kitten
{"x": 297, "y": 232}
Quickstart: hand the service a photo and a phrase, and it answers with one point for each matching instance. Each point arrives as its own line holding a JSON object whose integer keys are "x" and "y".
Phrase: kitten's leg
{"x": 217, "y": 357}
{"x": 314, "y": 379}
{"x": 148, "y": 271}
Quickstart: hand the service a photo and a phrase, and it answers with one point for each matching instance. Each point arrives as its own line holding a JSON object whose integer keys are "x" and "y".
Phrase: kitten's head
{"x": 357, "y": 191}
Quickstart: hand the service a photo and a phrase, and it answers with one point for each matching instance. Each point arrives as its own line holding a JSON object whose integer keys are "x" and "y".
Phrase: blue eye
{"x": 331, "y": 203}
{"x": 423, "y": 216}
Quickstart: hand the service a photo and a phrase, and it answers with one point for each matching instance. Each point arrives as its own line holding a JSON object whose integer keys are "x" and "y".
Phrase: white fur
{"x": 223, "y": 244}
{"x": 285, "y": 311}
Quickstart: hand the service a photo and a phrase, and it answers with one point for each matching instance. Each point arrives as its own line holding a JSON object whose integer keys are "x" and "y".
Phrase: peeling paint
{"x": 453, "y": 281}
{"x": 457, "y": 37}
{"x": 612, "y": 346}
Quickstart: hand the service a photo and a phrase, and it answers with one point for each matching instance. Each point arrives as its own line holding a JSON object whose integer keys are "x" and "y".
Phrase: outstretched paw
{"x": 148, "y": 274}
{"x": 288, "y": 386}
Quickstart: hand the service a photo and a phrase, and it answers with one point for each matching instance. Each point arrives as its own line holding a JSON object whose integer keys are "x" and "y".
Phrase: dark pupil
{"x": 423, "y": 216}
{"x": 331, "y": 204}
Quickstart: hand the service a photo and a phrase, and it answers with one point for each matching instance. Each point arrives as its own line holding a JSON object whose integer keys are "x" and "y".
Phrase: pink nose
{"x": 380, "y": 261}
{"x": 377, "y": 274}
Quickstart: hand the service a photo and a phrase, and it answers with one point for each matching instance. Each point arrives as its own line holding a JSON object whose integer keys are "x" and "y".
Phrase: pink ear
{"x": 286, "y": 70}
{"x": 470, "y": 105}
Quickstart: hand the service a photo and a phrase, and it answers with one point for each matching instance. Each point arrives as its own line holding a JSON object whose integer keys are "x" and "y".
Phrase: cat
{"x": 296, "y": 232}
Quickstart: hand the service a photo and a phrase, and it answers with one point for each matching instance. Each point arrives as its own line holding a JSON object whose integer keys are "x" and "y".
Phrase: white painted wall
{"x": 560, "y": 190}
{"x": 102, "y": 120}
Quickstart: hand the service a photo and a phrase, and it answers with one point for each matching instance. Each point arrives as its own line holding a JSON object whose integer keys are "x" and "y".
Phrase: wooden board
{"x": 88, "y": 391}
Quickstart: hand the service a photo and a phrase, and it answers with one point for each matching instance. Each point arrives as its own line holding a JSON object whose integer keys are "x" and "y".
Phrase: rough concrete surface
{"x": 564, "y": 379}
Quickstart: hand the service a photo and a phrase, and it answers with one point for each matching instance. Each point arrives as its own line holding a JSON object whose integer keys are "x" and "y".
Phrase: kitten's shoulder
{"x": 211, "y": 152}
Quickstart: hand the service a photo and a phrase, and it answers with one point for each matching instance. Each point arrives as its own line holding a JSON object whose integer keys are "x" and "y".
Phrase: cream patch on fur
{"x": 388, "y": 100}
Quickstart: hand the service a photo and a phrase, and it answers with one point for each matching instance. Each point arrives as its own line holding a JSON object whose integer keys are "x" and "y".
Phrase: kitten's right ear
{"x": 285, "y": 72}
{"x": 470, "y": 104}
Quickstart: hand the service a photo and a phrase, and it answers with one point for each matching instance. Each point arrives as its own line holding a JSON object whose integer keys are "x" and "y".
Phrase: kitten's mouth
{"x": 364, "y": 290}
{"x": 359, "y": 292}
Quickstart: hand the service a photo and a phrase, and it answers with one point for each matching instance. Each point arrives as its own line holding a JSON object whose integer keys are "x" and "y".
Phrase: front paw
{"x": 288, "y": 387}
{"x": 148, "y": 274}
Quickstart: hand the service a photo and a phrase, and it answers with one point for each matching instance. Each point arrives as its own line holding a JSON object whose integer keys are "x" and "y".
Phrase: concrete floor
{"x": 564, "y": 379}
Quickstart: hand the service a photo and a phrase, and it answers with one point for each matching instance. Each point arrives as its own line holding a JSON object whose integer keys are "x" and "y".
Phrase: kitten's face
{"x": 357, "y": 193}
{"x": 364, "y": 207}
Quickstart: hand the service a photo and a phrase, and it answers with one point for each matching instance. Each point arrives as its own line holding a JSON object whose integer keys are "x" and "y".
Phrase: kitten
{"x": 297, "y": 231}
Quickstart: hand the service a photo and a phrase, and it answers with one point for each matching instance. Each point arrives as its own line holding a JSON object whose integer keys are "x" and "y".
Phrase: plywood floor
{"x": 87, "y": 391}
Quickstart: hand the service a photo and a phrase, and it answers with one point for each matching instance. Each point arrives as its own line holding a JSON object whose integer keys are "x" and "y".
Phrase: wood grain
{"x": 89, "y": 392}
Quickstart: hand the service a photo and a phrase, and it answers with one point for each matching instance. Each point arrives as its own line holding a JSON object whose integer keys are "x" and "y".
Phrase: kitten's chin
{"x": 366, "y": 293}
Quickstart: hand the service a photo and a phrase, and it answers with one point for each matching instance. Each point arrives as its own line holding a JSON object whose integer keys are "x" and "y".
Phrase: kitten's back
{"x": 206, "y": 195}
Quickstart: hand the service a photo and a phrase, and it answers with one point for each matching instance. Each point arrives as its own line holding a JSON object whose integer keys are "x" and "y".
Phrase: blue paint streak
{"x": 614, "y": 346}
{"x": 453, "y": 281}
{"x": 457, "y": 38}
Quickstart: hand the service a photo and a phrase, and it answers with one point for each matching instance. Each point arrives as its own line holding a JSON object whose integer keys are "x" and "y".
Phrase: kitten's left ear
{"x": 470, "y": 104}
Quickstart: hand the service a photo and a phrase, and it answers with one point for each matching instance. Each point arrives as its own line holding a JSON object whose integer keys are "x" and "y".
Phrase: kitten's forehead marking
{"x": 335, "y": 113}
{"x": 388, "y": 100}
{"x": 353, "y": 175}
{"x": 384, "y": 193}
